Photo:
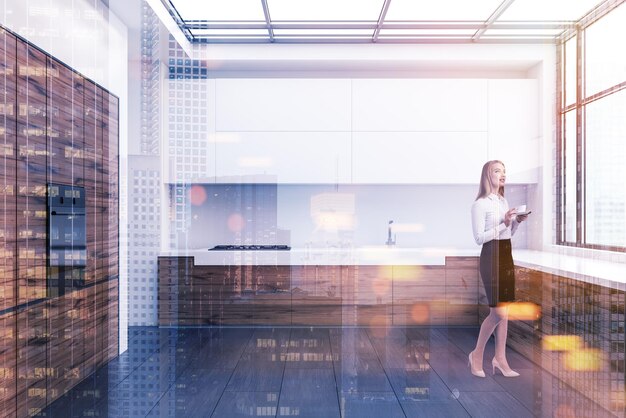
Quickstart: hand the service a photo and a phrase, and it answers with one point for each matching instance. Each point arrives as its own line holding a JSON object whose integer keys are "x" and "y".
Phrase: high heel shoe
{"x": 477, "y": 373}
{"x": 505, "y": 373}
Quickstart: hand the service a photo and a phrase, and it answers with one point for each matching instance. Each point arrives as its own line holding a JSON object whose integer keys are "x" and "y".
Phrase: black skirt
{"x": 497, "y": 271}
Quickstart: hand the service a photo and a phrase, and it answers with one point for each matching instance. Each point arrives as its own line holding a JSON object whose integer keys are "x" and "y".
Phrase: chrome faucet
{"x": 390, "y": 241}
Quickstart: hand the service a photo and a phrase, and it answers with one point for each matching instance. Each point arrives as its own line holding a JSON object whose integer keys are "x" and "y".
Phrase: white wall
{"x": 88, "y": 37}
{"x": 328, "y": 216}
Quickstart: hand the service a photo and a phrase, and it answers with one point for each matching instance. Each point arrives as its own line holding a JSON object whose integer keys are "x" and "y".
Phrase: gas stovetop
{"x": 250, "y": 248}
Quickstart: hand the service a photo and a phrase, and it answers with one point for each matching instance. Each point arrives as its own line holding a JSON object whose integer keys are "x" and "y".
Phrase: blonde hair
{"x": 484, "y": 189}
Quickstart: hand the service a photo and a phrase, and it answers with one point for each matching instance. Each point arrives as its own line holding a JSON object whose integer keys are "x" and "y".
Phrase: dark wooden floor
{"x": 313, "y": 372}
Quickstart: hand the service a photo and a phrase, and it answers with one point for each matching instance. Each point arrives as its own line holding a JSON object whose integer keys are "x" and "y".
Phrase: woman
{"x": 493, "y": 224}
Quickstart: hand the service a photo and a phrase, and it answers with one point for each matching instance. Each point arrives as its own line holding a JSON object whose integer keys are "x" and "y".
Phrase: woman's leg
{"x": 486, "y": 329}
{"x": 501, "y": 334}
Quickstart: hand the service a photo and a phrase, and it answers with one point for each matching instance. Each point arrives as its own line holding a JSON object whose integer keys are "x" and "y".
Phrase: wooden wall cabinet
{"x": 55, "y": 127}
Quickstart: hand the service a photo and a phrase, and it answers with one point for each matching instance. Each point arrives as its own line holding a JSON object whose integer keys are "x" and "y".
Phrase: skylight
{"x": 384, "y": 21}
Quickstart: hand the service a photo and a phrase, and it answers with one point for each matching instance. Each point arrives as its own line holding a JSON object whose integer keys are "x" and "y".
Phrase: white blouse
{"x": 488, "y": 219}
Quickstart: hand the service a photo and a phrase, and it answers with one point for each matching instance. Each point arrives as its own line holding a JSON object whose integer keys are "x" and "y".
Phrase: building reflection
{"x": 578, "y": 341}
{"x": 170, "y": 372}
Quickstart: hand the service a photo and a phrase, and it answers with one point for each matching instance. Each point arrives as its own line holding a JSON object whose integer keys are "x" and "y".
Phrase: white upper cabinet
{"x": 283, "y": 157}
{"x": 419, "y": 105}
{"x": 281, "y": 105}
{"x": 413, "y": 131}
{"x": 418, "y": 157}
{"x": 514, "y": 134}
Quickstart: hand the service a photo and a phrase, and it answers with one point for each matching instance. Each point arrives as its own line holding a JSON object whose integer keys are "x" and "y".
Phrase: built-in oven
{"x": 67, "y": 238}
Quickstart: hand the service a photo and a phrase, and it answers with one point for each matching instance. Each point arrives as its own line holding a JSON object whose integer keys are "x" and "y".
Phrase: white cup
{"x": 520, "y": 209}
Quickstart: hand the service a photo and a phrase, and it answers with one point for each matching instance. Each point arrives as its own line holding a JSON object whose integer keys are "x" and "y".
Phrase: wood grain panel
{"x": 409, "y": 281}
{"x": 88, "y": 316}
{"x": 315, "y": 295}
{"x": 32, "y": 369}
{"x": 462, "y": 262}
{"x": 419, "y": 295}
{"x": 314, "y": 310}
{"x": 8, "y": 167}
{"x": 31, "y": 69}
{"x": 94, "y": 240}
{"x": 369, "y": 285}
{"x": 111, "y": 153}
{"x": 424, "y": 306}
{"x": 108, "y": 210}
{"x": 7, "y": 364}
{"x": 467, "y": 278}
{"x": 31, "y": 173}
{"x": 61, "y": 126}
{"x": 101, "y": 323}
{"x": 593, "y": 314}
{"x": 50, "y": 131}
{"x": 65, "y": 345}
{"x": 462, "y": 282}
{"x": 170, "y": 271}
{"x": 75, "y": 153}
{"x": 112, "y": 320}
{"x": 8, "y": 250}
{"x": 100, "y": 193}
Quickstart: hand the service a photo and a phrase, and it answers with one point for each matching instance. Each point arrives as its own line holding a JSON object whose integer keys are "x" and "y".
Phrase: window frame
{"x": 579, "y": 105}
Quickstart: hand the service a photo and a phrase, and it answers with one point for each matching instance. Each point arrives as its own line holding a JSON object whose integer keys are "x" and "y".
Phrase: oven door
{"x": 67, "y": 239}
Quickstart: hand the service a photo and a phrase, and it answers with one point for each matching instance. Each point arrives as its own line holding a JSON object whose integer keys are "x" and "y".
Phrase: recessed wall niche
{"x": 56, "y": 127}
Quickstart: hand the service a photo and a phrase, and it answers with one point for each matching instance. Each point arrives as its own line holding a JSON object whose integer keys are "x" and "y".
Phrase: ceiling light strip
{"x": 381, "y": 20}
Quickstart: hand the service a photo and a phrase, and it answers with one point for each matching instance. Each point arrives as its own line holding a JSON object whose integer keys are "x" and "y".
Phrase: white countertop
{"x": 326, "y": 256}
{"x": 588, "y": 270}
{"x": 603, "y": 273}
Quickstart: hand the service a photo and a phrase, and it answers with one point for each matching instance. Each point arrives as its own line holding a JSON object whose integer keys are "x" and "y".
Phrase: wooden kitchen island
{"x": 341, "y": 291}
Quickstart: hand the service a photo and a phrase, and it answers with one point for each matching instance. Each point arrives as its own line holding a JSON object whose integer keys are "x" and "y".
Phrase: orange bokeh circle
{"x": 197, "y": 195}
{"x": 236, "y": 222}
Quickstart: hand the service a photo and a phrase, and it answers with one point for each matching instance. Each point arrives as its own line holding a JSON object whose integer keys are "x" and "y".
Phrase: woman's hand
{"x": 521, "y": 218}
{"x": 509, "y": 216}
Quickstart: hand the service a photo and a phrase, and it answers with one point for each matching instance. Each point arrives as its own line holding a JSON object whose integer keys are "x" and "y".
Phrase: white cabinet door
{"x": 418, "y": 157}
{"x": 424, "y": 105}
{"x": 283, "y": 105}
{"x": 514, "y": 128}
{"x": 375, "y": 130}
{"x": 283, "y": 157}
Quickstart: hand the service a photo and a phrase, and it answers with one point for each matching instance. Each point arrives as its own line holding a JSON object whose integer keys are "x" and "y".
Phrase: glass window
{"x": 569, "y": 191}
{"x": 570, "y": 72}
{"x": 317, "y": 10}
{"x": 593, "y": 212}
{"x": 605, "y": 62}
{"x": 605, "y": 194}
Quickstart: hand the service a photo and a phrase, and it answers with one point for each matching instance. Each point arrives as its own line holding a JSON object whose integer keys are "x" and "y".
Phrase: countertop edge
{"x": 597, "y": 272}
{"x": 325, "y": 257}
